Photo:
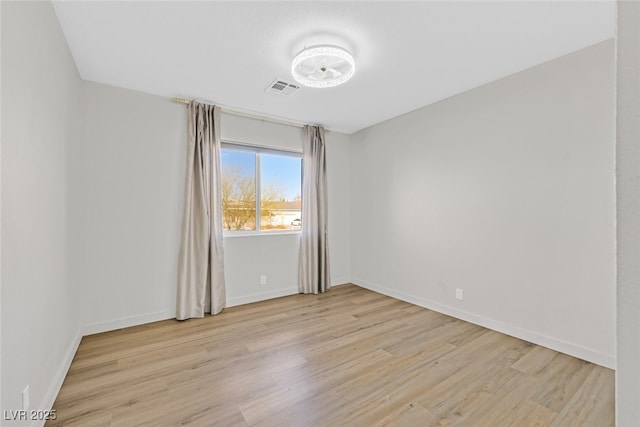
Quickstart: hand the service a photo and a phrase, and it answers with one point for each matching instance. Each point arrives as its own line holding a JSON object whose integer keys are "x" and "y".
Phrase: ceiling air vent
{"x": 282, "y": 87}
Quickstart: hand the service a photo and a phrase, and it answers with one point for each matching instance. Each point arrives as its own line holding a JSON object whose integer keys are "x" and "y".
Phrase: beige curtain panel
{"x": 201, "y": 284}
{"x": 313, "y": 274}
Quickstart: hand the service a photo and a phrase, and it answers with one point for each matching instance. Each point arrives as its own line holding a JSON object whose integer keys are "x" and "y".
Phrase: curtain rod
{"x": 248, "y": 115}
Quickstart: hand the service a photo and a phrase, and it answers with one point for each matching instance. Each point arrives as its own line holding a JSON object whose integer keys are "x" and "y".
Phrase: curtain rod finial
{"x": 181, "y": 100}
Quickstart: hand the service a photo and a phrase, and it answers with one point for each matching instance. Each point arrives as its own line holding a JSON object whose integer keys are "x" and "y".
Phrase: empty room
{"x": 320, "y": 213}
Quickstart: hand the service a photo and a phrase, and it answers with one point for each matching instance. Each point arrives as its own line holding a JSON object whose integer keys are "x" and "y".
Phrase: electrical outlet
{"x": 459, "y": 294}
{"x": 263, "y": 280}
{"x": 25, "y": 398}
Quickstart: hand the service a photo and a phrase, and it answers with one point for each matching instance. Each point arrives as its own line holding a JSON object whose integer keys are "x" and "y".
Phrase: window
{"x": 260, "y": 189}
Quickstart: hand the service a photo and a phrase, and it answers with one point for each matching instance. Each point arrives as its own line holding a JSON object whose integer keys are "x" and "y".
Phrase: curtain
{"x": 313, "y": 274}
{"x": 201, "y": 287}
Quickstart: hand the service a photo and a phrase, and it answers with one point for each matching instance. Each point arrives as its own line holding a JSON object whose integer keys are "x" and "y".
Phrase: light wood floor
{"x": 349, "y": 357}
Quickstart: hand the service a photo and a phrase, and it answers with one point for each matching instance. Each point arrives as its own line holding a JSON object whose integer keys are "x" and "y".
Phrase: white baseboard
{"x": 606, "y": 360}
{"x": 261, "y": 296}
{"x": 125, "y": 322}
{"x": 341, "y": 280}
{"x": 51, "y": 394}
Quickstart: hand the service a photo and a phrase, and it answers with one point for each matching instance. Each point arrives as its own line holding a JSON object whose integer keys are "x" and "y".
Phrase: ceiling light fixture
{"x": 323, "y": 66}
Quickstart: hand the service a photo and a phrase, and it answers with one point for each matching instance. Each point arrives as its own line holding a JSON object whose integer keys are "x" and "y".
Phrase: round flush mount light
{"x": 323, "y": 66}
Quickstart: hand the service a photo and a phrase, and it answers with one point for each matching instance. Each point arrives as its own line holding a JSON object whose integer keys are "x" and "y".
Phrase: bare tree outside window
{"x": 238, "y": 199}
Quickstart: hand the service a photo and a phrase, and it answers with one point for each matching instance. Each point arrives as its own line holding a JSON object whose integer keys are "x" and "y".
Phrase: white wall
{"x": 132, "y": 175}
{"x": 628, "y": 218}
{"x": 41, "y": 125}
{"x": 507, "y": 192}
{"x": 339, "y": 189}
{"x": 1, "y": 382}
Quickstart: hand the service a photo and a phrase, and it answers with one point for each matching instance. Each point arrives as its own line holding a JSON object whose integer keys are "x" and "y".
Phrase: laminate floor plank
{"x": 346, "y": 357}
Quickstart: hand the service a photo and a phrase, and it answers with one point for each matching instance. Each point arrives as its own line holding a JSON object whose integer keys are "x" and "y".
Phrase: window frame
{"x": 257, "y": 150}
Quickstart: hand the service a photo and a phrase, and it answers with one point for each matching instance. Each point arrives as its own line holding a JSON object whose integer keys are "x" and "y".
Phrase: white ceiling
{"x": 408, "y": 54}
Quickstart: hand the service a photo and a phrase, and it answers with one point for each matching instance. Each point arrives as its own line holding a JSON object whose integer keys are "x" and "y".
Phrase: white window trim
{"x": 244, "y": 146}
